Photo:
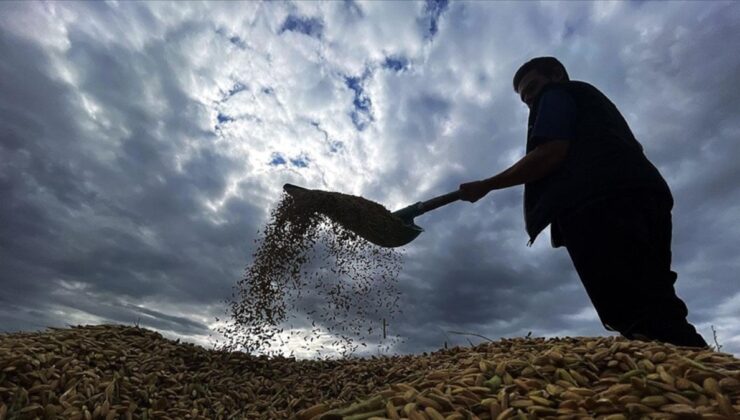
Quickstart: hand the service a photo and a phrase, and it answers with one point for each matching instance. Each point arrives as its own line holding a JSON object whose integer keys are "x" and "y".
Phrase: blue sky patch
{"x": 312, "y": 27}
{"x": 361, "y": 114}
{"x": 361, "y": 101}
{"x": 223, "y": 118}
{"x": 435, "y": 8}
{"x": 395, "y": 63}
{"x": 277, "y": 160}
{"x": 300, "y": 161}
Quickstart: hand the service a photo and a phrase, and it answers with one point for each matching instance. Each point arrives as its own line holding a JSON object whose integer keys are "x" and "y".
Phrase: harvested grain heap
{"x": 127, "y": 372}
{"x": 308, "y": 264}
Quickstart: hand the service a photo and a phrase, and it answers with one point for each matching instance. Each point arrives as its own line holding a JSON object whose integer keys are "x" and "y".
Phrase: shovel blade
{"x": 368, "y": 220}
{"x": 402, "y": 235}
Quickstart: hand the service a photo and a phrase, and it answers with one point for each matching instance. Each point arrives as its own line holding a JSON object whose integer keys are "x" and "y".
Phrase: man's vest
{"x": 604, "y": 158}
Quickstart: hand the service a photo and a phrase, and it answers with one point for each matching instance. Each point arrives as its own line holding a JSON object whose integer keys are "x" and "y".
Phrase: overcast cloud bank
{"x": 142, "y": 146}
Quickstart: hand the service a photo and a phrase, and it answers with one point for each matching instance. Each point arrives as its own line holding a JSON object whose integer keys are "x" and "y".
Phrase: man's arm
{"x": 536, "y": 164}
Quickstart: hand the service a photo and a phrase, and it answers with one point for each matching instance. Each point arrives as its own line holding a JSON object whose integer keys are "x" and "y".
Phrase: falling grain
{"x": 311, "y": 268}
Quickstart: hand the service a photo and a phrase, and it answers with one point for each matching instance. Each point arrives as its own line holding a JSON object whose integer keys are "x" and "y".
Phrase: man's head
{"x": 536, "y": 73}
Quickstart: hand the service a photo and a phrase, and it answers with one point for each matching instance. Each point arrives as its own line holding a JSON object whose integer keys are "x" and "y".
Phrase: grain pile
{"x": 117, "y": 372}
{"x": 313, "y": 275}
{"x": 607, "y": 378}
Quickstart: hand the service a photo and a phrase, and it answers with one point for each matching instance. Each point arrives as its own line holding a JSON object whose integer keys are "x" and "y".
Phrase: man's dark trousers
{"x": 621, "y": 248}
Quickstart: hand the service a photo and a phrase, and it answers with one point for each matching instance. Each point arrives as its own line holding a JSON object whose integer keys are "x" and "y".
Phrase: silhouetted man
{"x": 587, "y": 177}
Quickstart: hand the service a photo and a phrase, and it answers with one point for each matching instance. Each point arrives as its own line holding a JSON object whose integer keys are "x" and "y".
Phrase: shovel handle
{"x": 437, "y": 202}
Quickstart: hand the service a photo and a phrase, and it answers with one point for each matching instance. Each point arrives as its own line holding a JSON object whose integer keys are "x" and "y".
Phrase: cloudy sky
{"x": 143, "y": 145}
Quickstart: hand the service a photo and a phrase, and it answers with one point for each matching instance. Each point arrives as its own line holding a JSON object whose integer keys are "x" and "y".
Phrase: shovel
{"x": 398, "y": 228}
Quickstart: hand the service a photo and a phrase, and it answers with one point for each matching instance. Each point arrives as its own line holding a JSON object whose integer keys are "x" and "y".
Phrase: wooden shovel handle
{"x": 440, "y": 201}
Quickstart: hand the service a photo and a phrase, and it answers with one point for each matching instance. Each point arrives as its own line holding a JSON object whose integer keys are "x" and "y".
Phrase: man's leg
{"x": 620, "y": 248}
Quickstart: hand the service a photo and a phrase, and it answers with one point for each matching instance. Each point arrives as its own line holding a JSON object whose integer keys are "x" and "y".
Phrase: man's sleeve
{"x": 556, "y": 118}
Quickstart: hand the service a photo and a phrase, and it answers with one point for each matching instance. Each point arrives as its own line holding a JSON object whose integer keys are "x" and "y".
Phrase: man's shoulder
{"x": 578, "y": 90}
{"x": 578, "y": 85}
{"x": 570, "y": 86}
{"x": 578, "y": 93}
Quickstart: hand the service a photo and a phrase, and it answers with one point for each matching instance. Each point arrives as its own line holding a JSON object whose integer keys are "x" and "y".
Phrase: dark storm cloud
{"x": 142, "y": 150}
{"x": 479, "y": 284}
{"x": 128, "y": 227}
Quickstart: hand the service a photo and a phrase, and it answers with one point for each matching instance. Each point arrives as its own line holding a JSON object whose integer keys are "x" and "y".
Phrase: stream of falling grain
{"x": 314, "y": 276}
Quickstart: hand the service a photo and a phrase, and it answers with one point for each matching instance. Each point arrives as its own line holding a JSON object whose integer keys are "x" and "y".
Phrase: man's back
{"x": 604, "y": 158}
